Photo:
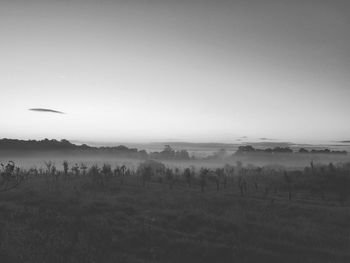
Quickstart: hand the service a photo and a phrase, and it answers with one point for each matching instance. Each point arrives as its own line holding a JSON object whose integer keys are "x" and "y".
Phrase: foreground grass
{"x": 75, "y": 221}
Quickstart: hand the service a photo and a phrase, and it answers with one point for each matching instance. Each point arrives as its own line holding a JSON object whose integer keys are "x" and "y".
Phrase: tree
{"x": 83, "y": 167}
{"x": 107, "y": 171}
{"x": 303, "y": 150}
{"x": 170, "y": 177}
{"x": 10, "y": 177}
{"x": 168, "y": 152}
{"x": 182, "y": 155}
{"x": 188, "y": 176}
{"x": 76, "y": 170}
{"x": 203, "y": 174}
{"x": 48, "y": 165}
{"x": 65, "y": 168}
{"x": 149, "y": 168}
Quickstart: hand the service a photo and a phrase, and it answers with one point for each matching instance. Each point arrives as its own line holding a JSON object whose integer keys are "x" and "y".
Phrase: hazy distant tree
{"x": 33, "y": 172}
{"x": 94, "y": 173}
{"x": 83, "y": 167}
{"x": 188, "y": 177}
{"x": 48, "y": 167}
{"x": 53, "y": 172}
{"x": 107, "y": 171}
{"x": 312, "y": 166}
{"x": 146, "y": 175}
{"x": 219, "y": 177}
{"x": 282, "y": 150}
{"x": 123, "y": 169}
{"x": 168, "y": 152}
{"x": 245, "y": 149}
{"x": 76, "y": 170}
{"x": 149, "y": 168}
{"x": 182, "y": 155}
{"x": 303, "y": 150}
{"x": 203, "y": 174}
{"x": 170, "y": 177}
{"x": 229, "y": 172}
{"x": 65, "y": 168}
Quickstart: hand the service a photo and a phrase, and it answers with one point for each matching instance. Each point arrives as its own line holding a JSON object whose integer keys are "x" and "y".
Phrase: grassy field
{"x": 79, "y": 219}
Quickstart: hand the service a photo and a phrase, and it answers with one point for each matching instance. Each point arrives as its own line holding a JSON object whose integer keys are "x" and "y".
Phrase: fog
{"x": 287, "y": 161}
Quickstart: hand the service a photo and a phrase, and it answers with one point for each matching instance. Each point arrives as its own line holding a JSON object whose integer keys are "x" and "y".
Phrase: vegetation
{"x": 251, "y": 149}
{"x": 65, "y": 146}
{"x": 168, "y": 153}
{"x": 155, "y": 213}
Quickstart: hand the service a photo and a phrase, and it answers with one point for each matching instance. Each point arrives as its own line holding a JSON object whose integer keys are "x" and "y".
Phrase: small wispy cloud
{"x": 46, "y": 110}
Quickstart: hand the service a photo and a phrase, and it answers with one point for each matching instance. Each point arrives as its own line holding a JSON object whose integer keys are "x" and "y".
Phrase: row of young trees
{"x": 322, "y": 180}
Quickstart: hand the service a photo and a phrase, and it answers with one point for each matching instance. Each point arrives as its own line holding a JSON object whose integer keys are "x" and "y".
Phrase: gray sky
{"x": 181, "y": 70}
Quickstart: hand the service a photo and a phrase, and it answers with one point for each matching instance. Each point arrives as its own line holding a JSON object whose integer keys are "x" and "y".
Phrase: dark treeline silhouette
{"x": 324, "y": 151}
{"x": 251, "y": 149}
{"x": 64, "y": 145}
{"x": 14, "y": 144}
{"x": 168, "y": 153}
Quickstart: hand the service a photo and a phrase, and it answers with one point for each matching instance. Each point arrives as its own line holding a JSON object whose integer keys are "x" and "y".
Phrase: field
{"x": 158, "y": 213}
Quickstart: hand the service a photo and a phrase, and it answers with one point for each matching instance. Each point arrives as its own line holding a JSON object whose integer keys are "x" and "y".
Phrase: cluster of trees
{"x": 154, "y": 171}
{"x": 251, "y": 149}
{"x": 324, "y": 151}
{"x": 64, "y": 145}
{"x": 170, "y": 154}
{"x": 13, "y": 144}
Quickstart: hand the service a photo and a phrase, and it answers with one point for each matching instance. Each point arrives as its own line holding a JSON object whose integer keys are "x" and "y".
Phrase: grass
{"x": 45, "y": 220}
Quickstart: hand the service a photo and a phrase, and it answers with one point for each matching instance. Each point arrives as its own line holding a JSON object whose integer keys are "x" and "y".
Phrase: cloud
{"x": 46, "y": 110}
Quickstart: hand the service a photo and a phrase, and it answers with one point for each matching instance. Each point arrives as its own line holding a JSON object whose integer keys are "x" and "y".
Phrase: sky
{"x": 160, "y": 70}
